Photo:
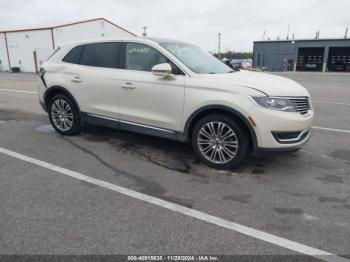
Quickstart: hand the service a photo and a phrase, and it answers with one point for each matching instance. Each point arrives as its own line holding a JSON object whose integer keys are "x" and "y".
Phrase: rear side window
{"x": 101, "y": 55}
{"x": 74, "y": 55}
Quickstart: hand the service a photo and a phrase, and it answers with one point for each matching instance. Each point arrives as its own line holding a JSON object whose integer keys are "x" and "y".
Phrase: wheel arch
{"x": 54, "y": 90}
{"x": 212, "y": 109}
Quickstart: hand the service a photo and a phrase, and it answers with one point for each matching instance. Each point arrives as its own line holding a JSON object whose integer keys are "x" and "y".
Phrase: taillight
{"x": 41, "y": 74}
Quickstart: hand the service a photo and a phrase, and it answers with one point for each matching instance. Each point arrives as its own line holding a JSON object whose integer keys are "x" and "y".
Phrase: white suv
{"x": 174, "y": 90}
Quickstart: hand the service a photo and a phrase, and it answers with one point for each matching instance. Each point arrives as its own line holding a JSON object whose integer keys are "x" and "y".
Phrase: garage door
{"x": 339, "y": 59}
{"x": 310, "y": 59}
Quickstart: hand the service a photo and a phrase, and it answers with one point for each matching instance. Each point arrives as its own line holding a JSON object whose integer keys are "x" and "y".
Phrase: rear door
{"x": 94, "y": 80}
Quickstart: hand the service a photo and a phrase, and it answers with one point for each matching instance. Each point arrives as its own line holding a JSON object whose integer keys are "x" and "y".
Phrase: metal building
{"x": 26, "y": 49}
{"x": 303, "y": 55}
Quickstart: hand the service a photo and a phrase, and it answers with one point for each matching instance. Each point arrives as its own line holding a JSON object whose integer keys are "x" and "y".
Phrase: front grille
{"x": 301, "y": 105}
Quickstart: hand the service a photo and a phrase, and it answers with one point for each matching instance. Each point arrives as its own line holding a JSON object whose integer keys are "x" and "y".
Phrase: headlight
{"x": 275, "y": 103}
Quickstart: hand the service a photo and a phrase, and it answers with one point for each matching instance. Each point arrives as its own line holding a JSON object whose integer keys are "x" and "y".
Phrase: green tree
{"x": 236, "y": 55}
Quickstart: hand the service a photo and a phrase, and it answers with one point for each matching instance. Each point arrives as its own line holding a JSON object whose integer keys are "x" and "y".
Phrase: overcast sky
{"x": 195, "y": 21}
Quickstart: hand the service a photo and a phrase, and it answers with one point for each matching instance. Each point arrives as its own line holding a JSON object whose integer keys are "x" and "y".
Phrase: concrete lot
{"x": 303, "y": 197}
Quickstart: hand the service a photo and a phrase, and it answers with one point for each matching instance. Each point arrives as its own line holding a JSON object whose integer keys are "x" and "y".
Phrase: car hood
{"x": 269, "y": 84}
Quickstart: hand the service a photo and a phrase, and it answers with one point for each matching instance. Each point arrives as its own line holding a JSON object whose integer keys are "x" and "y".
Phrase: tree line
{"x": 235, "y": 55}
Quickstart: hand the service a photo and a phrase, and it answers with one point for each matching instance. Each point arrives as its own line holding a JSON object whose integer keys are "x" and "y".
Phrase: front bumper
{"x": 291, "y": 137}
{"x": 281, "y": 131}
{"x": 261, "y": 150}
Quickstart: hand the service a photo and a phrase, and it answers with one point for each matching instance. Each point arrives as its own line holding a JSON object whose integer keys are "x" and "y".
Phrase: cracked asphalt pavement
{"x": 303, "y": 197}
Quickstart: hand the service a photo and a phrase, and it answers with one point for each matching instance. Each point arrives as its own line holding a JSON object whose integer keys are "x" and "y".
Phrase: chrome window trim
{"x": 157, "y": 47}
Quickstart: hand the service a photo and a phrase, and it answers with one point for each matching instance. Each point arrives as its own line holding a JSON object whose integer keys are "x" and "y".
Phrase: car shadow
{"x": 174, "y": 155}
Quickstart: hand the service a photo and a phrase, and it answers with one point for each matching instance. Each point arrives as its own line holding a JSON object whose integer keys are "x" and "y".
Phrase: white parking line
{"x": 245, "y": 230}
{"x": 330, "y": 102}
{"x": 331, "y": 129}
{"x": 18, "y": 91}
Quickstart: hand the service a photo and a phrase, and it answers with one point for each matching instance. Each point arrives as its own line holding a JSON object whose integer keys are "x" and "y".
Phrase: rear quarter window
{"x": 74, "y": 55}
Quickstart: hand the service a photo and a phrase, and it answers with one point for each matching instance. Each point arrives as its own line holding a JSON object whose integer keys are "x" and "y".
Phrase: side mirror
{"x": 162, "y": 69}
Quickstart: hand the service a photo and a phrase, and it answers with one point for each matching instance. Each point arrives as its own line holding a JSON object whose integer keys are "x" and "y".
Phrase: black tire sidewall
{"x": 76, "y": 116}
{"x": 243, "y": 141}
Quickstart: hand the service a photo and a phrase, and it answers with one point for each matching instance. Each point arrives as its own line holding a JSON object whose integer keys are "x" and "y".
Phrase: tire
{"x": 230, "y": 147}
{"x": 65, "y": 122}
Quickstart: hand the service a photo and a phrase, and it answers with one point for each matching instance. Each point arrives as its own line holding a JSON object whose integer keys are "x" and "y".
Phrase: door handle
{"x": 76, "y": 79}
{"x": 128, "y": 85}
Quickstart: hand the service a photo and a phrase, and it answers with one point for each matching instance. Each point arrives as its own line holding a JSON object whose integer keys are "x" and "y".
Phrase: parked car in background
{"x": 174, "y": 90}
{"x": 227, "y": 62}
{"x": 240, "y": 63}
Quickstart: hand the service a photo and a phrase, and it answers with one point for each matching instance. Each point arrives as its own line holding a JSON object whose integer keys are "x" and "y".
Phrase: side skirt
{"x": 93, "y": 119}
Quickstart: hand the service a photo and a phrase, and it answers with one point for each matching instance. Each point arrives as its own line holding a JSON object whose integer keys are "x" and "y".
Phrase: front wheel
{"x": 220, "y": 142}
{"x": 64, "y": 115}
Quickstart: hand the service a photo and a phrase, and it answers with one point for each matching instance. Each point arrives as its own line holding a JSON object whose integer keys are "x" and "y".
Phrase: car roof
{"x": 166, "y": 40}
{"x": 124, "y": 39}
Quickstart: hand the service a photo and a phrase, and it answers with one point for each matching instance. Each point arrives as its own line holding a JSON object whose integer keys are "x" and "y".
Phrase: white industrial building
{"x": 26, "y": 49}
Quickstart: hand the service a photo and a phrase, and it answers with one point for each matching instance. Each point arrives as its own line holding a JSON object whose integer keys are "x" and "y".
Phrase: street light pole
{"x": 346, "y": 32}
{"x": 144, "y": 31}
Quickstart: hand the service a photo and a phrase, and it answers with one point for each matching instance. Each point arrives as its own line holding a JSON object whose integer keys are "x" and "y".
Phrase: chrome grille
{"x": 301, "y": 104}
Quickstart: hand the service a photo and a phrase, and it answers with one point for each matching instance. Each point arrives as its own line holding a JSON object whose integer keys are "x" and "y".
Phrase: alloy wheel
{"x": 217, "y": 142}
{"x": 62, "y": 115}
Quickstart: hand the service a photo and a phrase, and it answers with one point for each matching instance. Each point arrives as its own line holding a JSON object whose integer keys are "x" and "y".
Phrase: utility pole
{"x": 346, "y": 32}
{"x": 288, "y": 31}
{"x": 219, "y": 45}
{"x": 317, "y": 35}
{"x": 144, "y": 31}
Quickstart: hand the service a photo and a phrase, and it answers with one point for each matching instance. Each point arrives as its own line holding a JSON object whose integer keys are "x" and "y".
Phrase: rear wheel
{"x": 220, "y": 142}
{"x": 64, "y": 115}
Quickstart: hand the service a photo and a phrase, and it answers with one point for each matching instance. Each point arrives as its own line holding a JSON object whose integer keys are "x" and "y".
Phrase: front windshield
{"x": 196, "y": 59}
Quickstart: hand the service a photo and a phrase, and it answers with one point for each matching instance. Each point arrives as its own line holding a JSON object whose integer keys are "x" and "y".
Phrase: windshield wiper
{"x": 213, "y": 73}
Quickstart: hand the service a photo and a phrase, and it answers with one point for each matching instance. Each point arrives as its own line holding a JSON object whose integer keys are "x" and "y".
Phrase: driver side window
{"x": 142, "y": 57}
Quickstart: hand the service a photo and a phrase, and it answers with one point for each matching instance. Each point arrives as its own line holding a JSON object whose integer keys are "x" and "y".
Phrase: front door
{"x": 146, "y": 99}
